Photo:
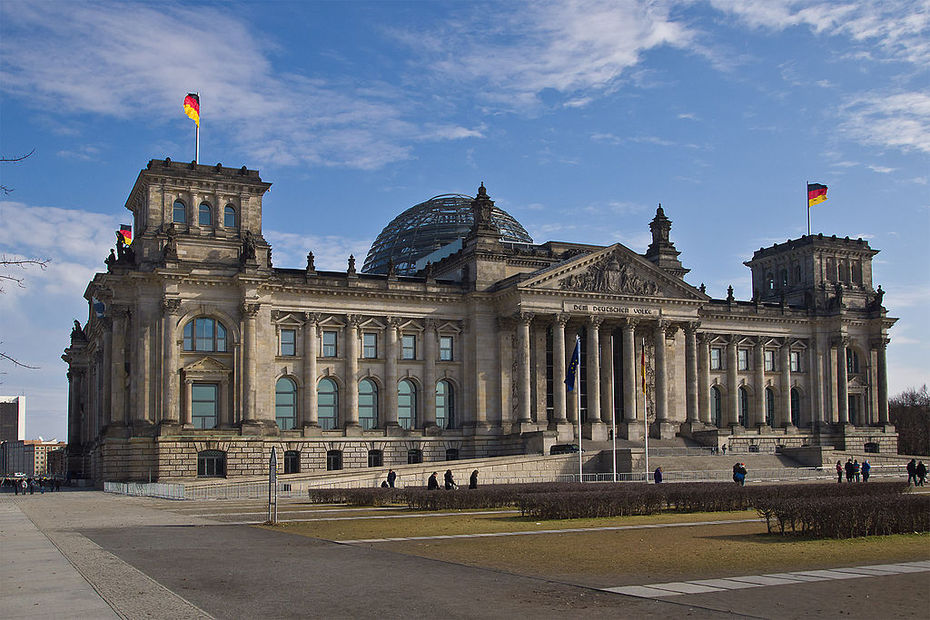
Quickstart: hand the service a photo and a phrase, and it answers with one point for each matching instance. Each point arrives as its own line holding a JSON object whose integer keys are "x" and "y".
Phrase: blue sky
{"x": 579, "y": 117}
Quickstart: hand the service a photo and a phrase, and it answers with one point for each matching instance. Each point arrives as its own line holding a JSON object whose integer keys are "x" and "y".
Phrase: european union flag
{"x": 573, "y": 366}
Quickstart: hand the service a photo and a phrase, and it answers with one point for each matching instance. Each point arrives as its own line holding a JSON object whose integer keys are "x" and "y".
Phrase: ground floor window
{"x": 327, "y": 404}
{"x": 743, "y": 406}
{"x": 452, "y": 454}
{"x": 211, "y": 464}
{"x": 291, "y": 462}
{"x": 414, "y": 456}
{"x": 770, "y": 407}
{"x": 445, "y": 405}
{"x": 375, "y": 458}
{"x": 333, "y": 460}
{"x": 204, "y": 404}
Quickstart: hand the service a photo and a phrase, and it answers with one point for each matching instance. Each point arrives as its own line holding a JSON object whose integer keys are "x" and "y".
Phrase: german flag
{"x": 192, "y": 107}
{"x": 816, "y": 193}
{"x": 125, "y": 231}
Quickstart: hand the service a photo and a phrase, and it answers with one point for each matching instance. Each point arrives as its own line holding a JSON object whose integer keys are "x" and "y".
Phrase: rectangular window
{"x": 369, "y": 345}
{"x": 204, "y": 398}
{"x": 288, "y": 342}
{"x": 445, "y": 348}
{"x": 795, "y": 361}
{"x": 716, "y": 358}
{"x": 329, "y": 343}
{"x": 769, "y": 357}
{"x": 408, "y": 347}
{"x": 742, "y": 359}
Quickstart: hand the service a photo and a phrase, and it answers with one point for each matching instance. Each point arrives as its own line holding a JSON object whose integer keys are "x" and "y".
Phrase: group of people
{"x": 449, "y": 484}
{"x": 916, "y": 472}
{"x": 853, "y": 471}
{"x": 31, "y": 485}
{"x": 739, "y": 474}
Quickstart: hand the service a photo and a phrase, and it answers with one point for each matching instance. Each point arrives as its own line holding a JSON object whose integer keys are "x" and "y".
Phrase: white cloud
{"x": 881, "y": 169}
{"x": 900, "y": 120}
{"x": 330, "y": 252}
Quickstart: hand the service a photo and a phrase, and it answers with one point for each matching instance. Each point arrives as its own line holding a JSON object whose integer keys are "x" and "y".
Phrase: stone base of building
{"x": 631, "y": 431}
{"x": 594, "y": 431}
{"x": 663, "y": 430}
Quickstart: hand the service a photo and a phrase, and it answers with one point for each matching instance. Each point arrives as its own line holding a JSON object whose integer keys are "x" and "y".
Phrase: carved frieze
{"x": 610, "y": 276}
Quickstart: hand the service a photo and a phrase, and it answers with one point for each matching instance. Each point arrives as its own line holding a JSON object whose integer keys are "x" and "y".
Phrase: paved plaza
{"x": 85, "y": 554}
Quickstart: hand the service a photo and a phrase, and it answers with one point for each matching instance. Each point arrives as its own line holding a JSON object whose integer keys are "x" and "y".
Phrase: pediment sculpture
{"x": 610, "y": 276}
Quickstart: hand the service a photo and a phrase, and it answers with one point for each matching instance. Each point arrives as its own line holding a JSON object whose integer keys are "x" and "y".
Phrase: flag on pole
{"x": 125, "y": 231}
{"x": 816, "y": 193}
{"x": 643, "y": 367}
{"x": 573, "y": 366}
{"x": 192, "y": 107}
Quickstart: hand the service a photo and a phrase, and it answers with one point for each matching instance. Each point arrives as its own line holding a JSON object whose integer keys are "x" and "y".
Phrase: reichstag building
{"x": 450, "y": 342}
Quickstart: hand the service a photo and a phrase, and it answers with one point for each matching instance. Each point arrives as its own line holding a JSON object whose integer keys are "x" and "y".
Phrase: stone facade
{"x": 198, "y": 355}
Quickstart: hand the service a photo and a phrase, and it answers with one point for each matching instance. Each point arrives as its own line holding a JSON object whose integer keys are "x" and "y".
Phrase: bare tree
{"x": 5, "y": 189}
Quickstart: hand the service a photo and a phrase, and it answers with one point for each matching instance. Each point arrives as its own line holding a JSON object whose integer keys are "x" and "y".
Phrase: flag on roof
{"x": 125, "y": 231}
{"x": 816, "y": 193}
{"x": 192, "y": 107}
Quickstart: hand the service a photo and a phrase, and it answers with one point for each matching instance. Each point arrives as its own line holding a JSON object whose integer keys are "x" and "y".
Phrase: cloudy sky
{"x": 579, "y": 117}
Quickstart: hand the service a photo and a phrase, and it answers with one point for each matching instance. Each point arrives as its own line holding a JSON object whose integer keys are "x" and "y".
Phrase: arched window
{"x": 291, "y": 462}
{"x": 367, "y": 404}
{"x": 229, "y": 216}
{"x": 333, "y": 460}
{"x": 407, "y": 404}
{"x": 769, "y": 282}
{"x": 796, "y": 407}
{"x": 743, "y": 406}
{"x": 716, "y": 406}
{"x": 414, "y": 456}
{"x": 211, "y": 464}
{"x": 784, "y": 278}
{"x": 205, "y": 215}
{"x": 327, "y": 403}
{"x": 445, "y": 405}
{"x": 285, "y": 403}
{"x": 179, "y": 215}
{"x": 770, "y": 406}
{"x": 205, "y": 334}
{"x": 852, "y": 361}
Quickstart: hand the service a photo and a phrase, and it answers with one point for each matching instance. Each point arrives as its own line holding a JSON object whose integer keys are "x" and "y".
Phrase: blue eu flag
{"x": 573, "y": 366}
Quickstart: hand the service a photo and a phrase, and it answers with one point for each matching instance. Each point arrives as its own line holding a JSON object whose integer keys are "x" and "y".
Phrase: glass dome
{"x": 428, "y": 226}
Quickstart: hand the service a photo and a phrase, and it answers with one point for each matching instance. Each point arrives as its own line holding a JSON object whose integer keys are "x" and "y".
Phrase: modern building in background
{"x": 33, "y": 457}
{"x": 198, "y": 355}
{"x": 12, "y": 418}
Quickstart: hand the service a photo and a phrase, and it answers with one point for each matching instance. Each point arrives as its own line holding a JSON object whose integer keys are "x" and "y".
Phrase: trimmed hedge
{"x": 846, "y": 517}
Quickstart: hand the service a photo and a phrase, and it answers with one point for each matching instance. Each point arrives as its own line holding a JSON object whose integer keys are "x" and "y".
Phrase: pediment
{"x": 206, "y": 365}
{"x": 614, "y": 270}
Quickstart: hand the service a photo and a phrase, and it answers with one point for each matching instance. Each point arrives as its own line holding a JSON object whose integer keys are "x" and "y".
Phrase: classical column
{"x": 842, "y": 380}
{"x": 661, "y": 378}
{"x": 783, "y": 416}
{"x": 882, "y": 380}
{"x": 351, "y": 379}
{"x": 143, "y": 371}
{"x": 429, "y": 374}
{"x": 816, "y": 369}
{"x": 390, "y": 373}
{"x": 593, "y": 370}
{"x": 186, "y": 413}
{"x": 249, "y": 311}
{"x": 523, "y": 366}
{"x": 704, "y": 378}
{"x": 311, "y": 343}
{"x": 171, "y": 382}
{"x": 732, "y": 411}
{"x": 607, "y": 375}
{"x": 558, "y": 368}
{"x": 629, "y": 370}
{"x": 571, "y": 396}
{"x": 119, "y": 317}
{"x": 758, "y": 382}
{"x": 691, "y": 372}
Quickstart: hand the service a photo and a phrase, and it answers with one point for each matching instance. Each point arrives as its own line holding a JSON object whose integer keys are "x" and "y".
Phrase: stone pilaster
{"x": 758, "y": 384}
{"x": 662, "y": 428}
{"x": 783, "y": 413}
{"x": 430, "y": 345}
{"x": 607, "y": 374}
{"x": 882, "y": 380}
{"x": 842, "y": 380}
{"x": 119, "y": 318}
{"x": 390, "y": 376}
{"x": 309, "y": 413}
{"x": 250, "y": 413}
{"x": 559, "y": 361}
{"x": 351, "y": 379}
{"x": 171, "y": 382}
{"x": 732, "y": 410}
{"x": 704, "y": 379}
{"x": 523, "y": 367}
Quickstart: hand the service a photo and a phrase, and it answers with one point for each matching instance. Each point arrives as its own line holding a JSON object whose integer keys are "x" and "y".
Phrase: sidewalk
{"x": 36, "y": 580}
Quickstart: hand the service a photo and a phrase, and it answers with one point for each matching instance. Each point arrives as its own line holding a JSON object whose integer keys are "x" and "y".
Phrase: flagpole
{"x": 578, "y": 397}
{"x": 645, "y": 414}
{"x": 613, "y": 405}
{"x": 807, "y": 199}
{"x": 197, "y": 131}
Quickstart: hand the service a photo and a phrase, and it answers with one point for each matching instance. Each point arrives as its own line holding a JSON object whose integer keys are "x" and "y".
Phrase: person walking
{"x": 849, "y": 470}
{"x": 22, "y": 485}
{"x": 657, "y": 475}
{"x": 856, "y": 469}
{"x": 920, "y": 473}
{"x": 473, "y": 480}
{"x": 391, "y": 478}
{"x": 912, "y": 471}
{"x": 15, "y": 487}
{"x": 432, "y": 484}
{"x": 866, "y": 470}
{"x": 449, "y": 481}
{"x": 743, "y": 472}
{"x": 839, "y": 472}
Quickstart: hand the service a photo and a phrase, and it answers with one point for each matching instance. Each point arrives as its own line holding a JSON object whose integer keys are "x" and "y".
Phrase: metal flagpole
{"x": 645, "y": 413}
{"x": 807, "y": 200}
{"x": 273, "y": 487}
{"x": 578, "y": 397}
{"x": 197, "y": 130}
{"x": 613, "y": 403}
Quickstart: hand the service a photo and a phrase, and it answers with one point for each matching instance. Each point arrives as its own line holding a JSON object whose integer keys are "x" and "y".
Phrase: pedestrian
{"x": 449, "y": 481}
{"x": 657, "y": 475}
{"x": 921, "y": 473}
{"x": 912, "y": 471}
{"x": 32, "y": 487}
{"x": 391, "y": 478}
{"x": 856, "y": 469}
{"x": 736, "y": 473}
{"x": 15, "y": 487}
{"x": 742, "y": 474}
{"x": 384, "y": 484}
{"x": 432, "y": 484}
{"x": 849, "y": 470}
{"x": 866, "y": 470}
{"x": 839, "y": 472}
{"x": 58, "y": 484}
{"x": 473, "y": 480}
{"x": 724, "y": 448}
{"x": 22, "y": 486}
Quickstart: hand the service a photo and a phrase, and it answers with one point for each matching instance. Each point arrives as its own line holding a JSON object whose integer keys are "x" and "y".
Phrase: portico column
{"x": 390, "y": 373}
{"x": 187, "y": 413}
{"x": 607, "y": 375}
{"x": 816, "y": 367}
{"x": 842, "y": 380}
{"x": 691, "y": 372}
{"x": 661, "y": 378}
{"x": 351, "y": 331}
{"x": 784, "y": 419}
{"x": 704, "y": 378}
{"x": 170, "y": 361}
{"x": 732, "y": 411}
{"x": 429, "y": 374}
{"x": 593, "y": 370}
{"x": 249, "y": 354}
{"x": 629, "y": 370}
{"x": 311, "y": 339}
{"x": 118, "y": 315}
{"x": 882, "y": 380}
{"x": 758, "y": 380}
{"x": 523, "y": 366}
{"x": 558, "y": 368}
